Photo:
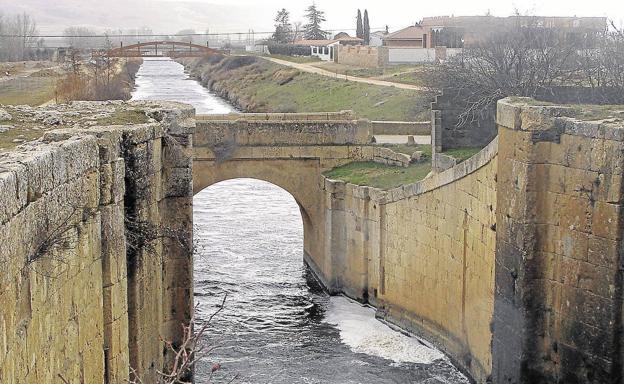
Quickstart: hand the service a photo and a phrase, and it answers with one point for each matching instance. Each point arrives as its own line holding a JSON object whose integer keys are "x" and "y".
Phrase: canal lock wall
{"x": 510, "y": 262}
{"x": 87, "y": 288}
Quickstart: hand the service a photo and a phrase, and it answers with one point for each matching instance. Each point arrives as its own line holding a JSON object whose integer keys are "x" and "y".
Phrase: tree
{"x": 80, "y": 38}
{"x": 297, "y": 31}
{"x": 186, "y": 35}
{"x": 513, "y": 60}
{"x": 312, "y": 30}
{"x": 366, "y": 35}
{"x": 359, "y": 29}
{"x": 20, "y": 40}
{"x": 283, "y": 28}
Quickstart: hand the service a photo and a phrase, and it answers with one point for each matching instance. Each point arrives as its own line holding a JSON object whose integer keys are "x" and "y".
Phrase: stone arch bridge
{"x": 510, "y": 261}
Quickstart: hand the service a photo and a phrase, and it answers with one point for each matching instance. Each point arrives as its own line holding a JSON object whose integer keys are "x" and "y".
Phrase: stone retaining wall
{"x": 423, "y": 254}
{"x": 558, "y": 308}
{"x": 416, "y": 128}
{"x": 80, "y": 301}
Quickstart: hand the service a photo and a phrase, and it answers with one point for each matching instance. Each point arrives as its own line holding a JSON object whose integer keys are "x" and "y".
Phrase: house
{"x": 467, "y": 31}
{"x": 376, "y": 38}
{"x": 326, "y": 49}
{"x": 414, "y": 36}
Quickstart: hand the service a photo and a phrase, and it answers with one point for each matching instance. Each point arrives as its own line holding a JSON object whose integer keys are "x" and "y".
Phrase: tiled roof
{"x": 410, "y": 33}
{"x": 317, "y": 43}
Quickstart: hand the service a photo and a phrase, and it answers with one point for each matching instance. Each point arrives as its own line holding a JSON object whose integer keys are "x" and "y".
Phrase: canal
{"x": 277, "y": 325}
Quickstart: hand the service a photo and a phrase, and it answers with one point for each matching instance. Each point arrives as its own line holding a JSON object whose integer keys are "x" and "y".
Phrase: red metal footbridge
{"x": 172, "y": 49}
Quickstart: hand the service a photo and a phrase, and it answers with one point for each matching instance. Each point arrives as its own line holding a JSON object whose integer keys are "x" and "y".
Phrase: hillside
{"x": 256, "y": 85}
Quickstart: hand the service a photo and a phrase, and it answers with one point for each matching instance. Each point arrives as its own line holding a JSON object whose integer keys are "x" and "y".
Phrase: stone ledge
{"x": 435, "y": 181}
{"x": 549, "y": 121}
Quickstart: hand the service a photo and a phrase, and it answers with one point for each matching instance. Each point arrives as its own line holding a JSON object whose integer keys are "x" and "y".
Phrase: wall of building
{"x": 360, "y": 56}
{"x": 409, "y": 55}
{"x": 78, "y": 304}
{"x": 423, "y": 254}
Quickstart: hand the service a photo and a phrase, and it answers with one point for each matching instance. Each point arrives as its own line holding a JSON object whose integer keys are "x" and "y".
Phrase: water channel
{"x": 277, "y": 325}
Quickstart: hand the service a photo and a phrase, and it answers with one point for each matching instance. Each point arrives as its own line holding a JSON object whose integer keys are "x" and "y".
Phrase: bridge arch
{"x": 300, "y": 178}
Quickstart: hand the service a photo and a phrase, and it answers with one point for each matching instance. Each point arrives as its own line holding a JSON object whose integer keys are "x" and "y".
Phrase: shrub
{"x": 289, "y": 50}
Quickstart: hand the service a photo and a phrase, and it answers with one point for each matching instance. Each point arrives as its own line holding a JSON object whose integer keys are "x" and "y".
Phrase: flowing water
{"x": 277, "y": 325}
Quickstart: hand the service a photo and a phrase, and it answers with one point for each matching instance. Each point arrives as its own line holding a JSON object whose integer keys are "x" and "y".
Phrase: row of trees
{"x": 532, "y": 61}
{"x": 362, "y": 29}
{"x": 288, "y": 32}
{"x": 18, "y": 38}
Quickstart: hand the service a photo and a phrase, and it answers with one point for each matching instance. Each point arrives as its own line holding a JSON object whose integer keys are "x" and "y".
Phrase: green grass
{"x": 379, "y": 175}
{"x": 410, "y": 149}
{"x": 30, "y": 91}
{"x": 297, "y": 59}
{"x": 268, "y": 87}
{"x": 462, "y": 154}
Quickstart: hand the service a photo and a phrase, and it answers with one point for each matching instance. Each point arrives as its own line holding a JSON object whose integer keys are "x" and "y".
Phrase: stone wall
{"x": 361, "y": 56}
{"x": 416, "y": 128}
{"x": 558, "y": 301}
{"x": 82, "y": 302}
{"x": 291, "y": 152}
{"x": 423, "y": 254}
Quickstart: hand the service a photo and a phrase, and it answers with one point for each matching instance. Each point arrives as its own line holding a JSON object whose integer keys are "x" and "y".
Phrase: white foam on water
{"x": 363, "y": 333}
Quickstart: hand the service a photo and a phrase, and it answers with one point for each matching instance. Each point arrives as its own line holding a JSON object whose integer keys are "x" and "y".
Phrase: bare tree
{"x": 186, "y": 35}
{"x": 521, "y": 59}
{"x": 19, "y": 40}
{"x": 81, "y": 38}
{"x": 186, "y": 354}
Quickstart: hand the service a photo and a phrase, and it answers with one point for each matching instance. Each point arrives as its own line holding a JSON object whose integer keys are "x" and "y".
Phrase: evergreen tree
{"x": 359, "y": 29}
{"x": 312, "y": 30}
{"x": 283, "y": 28}
{"x": 366, "y": 28}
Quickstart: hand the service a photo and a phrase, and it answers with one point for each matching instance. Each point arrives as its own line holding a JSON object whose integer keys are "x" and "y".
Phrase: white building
{"x": 326, "y": 49}
{"x": 376, "y": 38}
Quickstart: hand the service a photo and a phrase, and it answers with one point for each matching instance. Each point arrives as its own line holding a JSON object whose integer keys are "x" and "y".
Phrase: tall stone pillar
{"x": 558, "y": 297}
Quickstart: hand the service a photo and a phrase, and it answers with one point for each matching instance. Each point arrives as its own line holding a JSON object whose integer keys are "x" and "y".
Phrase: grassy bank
{"x": 27, "y": 90}
{"x": 257, "y": 85}
{"x": 406, "y": 74}
{"x": 379, "y": 175}
{"x": 387, "y": 177}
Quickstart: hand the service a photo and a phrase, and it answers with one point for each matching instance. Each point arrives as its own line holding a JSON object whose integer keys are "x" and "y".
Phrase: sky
{"x": 170, "y": 16}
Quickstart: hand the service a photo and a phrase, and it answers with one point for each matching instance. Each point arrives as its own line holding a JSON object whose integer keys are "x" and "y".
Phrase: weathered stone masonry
{"x": 78, "y": 304}
{"x": 510, "y": 262}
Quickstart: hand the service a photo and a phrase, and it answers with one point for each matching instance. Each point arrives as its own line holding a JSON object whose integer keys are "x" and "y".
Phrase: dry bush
{"x": 529, "y": 60}
{"x": 187, "y": 354}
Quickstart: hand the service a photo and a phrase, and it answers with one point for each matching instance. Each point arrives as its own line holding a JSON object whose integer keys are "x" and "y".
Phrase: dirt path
{"x": 319, "y": 71}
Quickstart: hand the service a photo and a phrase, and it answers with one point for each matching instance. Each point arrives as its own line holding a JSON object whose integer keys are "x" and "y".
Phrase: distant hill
{"x": 162, "y": 16}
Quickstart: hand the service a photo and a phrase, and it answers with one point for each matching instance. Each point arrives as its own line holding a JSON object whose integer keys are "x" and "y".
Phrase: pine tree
{"x": 366, "y": 31}
{"x": 283, "y": 28}
{"x": 312, "y": 30}
{"x": 359, "y": 29}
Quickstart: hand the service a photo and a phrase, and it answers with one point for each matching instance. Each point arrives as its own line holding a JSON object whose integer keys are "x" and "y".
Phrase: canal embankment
{"x": 257, "y": 85}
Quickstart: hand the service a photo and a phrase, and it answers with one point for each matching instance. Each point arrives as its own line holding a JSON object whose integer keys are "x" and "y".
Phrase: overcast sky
{"x": 169, "y": 16}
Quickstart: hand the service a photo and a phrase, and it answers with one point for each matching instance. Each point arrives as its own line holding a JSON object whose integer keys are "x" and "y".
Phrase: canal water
{"x": 277, "y": 325}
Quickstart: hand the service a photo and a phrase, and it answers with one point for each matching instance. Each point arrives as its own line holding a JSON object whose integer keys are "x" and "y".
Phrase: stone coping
{"x": 318, "y": 116}
{"x": 430, "y": 183}
{"x": 548, "y": 120}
